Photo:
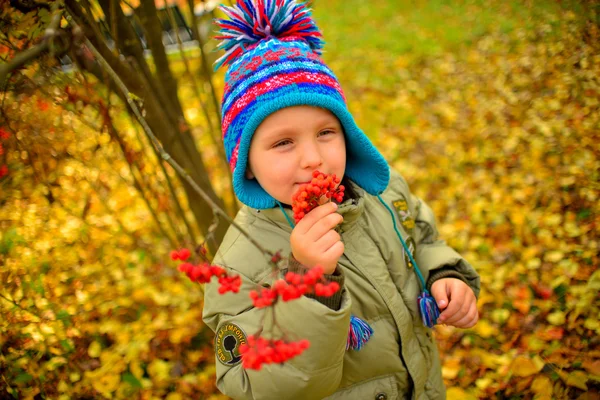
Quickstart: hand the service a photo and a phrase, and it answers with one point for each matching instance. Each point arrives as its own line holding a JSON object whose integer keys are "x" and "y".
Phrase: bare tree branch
{"x": 214, "y": 136}
{"x": 205, "y": 66}
{"x": 215, "y": 208}
{"x": 140, "y": 86}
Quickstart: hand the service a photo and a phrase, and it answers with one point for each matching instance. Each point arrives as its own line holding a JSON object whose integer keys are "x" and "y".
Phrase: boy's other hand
{"x": 456, "y": 301}
{"x": 314, "y": 240}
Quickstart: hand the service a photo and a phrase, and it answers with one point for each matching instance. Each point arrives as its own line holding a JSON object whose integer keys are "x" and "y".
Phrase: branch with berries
{"x": 321, "y": 189}
{"x": 258, "y": 351}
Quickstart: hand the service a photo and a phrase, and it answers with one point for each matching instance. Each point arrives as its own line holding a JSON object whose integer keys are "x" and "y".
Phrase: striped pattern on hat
{"x": 272, "y": 70}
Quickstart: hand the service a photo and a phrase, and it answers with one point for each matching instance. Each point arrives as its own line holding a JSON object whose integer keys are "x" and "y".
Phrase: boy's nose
{"x": 311, "y": 156}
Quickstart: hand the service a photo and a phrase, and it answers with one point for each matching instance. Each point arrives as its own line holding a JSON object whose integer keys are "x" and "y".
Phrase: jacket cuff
{"x": 333, "y": 302}
{"x": 444, "y": 273}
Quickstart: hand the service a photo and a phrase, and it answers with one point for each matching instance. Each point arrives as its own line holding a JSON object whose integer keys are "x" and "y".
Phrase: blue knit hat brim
{"x": 364, "y": 163}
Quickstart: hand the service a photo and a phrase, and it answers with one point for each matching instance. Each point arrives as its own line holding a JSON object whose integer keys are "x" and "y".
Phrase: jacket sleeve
{"x": 435, "y": 258}
{"x": 316, "y": 373}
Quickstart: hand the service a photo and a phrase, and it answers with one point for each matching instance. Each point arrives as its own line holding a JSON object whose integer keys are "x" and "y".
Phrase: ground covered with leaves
{"x": 491, "y": 112}
{"x": 499, "y": 133}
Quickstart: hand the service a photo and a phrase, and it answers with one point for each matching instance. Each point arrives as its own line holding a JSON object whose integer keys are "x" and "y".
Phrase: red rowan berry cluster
{"x": 203, "y": 273}
{"x": 259, "y": 351}
{"x": 3, "y": 167}
{"x": 294, "y": 286}
{"x": 309, "y": 195}
{"x": 181, "y": 254}
{"x": 229, "y": 283}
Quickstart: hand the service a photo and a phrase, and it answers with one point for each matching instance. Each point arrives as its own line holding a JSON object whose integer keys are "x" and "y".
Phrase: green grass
{"x": 376, "y": 48}
{"x": 423, "y": 28}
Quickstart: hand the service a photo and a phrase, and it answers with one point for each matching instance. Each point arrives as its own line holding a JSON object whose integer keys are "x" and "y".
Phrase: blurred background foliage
{"x": 490, "y": 109}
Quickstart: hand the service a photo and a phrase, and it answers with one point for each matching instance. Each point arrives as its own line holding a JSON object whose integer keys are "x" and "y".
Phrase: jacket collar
{"x": 350, "y": 209}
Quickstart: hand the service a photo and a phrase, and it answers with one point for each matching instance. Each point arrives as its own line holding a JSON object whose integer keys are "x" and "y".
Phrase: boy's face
{"x": 290, "y": 144}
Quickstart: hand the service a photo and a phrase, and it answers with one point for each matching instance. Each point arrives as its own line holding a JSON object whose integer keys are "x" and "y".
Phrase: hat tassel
{"x": 359, "y": 333}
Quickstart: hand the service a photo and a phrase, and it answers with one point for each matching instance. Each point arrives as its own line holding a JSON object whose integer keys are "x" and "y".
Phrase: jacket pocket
{"x": 378, "y": 388}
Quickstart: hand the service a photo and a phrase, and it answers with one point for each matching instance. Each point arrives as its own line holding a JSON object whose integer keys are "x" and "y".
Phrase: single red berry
{"x": 185, "y": 267}
{"x": 276, "y": 258}
{"x": 543, "y": 292}
{"x": 201, "y": 250}
{"x": 184, "y": 254}
{"x": 217, "y": 271}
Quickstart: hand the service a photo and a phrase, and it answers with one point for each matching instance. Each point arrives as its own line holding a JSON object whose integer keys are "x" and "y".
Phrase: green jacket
{"x": 399, "y": 361}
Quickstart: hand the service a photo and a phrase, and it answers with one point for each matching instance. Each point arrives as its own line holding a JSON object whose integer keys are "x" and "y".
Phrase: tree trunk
{"x": 180, "y": 145}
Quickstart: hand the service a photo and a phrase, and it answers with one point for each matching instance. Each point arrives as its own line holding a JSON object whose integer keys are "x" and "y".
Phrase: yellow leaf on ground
{"x": 485, "y": 329}
{"x": 451, "y": 368}
{"x": 539, "y": 362}
{"x": 483, "y": 383}
{"x": 456, "y": 393}
{"x": 524, "y": 366}
{"x": 554, "y": 256}
{"x": 591, "y": 324}
{"x": 107, "y": 383}
{"x": 62, "y": 386}
{"x": 593, "y": 367}
{"x": 556, "y": 318}
{"x": 177, "y": 335}
{"x": 159, "y": 370}
{"x": 136, "y": 369}
{"x": 577, "y": 379}
{"x": 500, "y": 315}
{"x": 542, "y": 386}
{"x": 94, "y": 350}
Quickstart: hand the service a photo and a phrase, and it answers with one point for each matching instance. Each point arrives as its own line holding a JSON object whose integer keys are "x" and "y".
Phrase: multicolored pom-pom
{"x": 251, "y": 21}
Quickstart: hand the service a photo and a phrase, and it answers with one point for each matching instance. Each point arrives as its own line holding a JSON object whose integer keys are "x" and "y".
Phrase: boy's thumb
{"x": 439, "y": 294}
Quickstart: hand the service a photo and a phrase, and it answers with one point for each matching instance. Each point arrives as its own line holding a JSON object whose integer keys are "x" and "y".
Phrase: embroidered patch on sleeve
{"x": 406, "y": 218}
{"x": 228, "y": 339}
{"x": 410, "y": 243}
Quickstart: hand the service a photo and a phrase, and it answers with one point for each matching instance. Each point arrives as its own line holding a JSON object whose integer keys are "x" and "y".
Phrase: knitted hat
{"x": 273, "y": 48}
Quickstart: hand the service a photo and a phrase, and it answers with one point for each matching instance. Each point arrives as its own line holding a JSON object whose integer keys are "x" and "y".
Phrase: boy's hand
{"x": 315, "y": 242}
{"x": 457, "y": 302}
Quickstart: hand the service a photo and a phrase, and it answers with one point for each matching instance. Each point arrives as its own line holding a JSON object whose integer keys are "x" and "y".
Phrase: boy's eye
{"x": 325, "y": 132}
{"x": 282, "y": 143}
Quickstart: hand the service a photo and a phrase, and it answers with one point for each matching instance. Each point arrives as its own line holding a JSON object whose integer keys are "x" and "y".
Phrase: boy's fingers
{"x": 324, "y": 226}
{"x": 469, "y": 319}
{"x": 315, "y": 215}
{"x": 439, "y": 293}
{"x": 461, "y": 323}
{"x": 466, "y": 307}
{"x": 334, "y": 252}
{"x": 328, "y": 240}
{"x": 449, "y": 314}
